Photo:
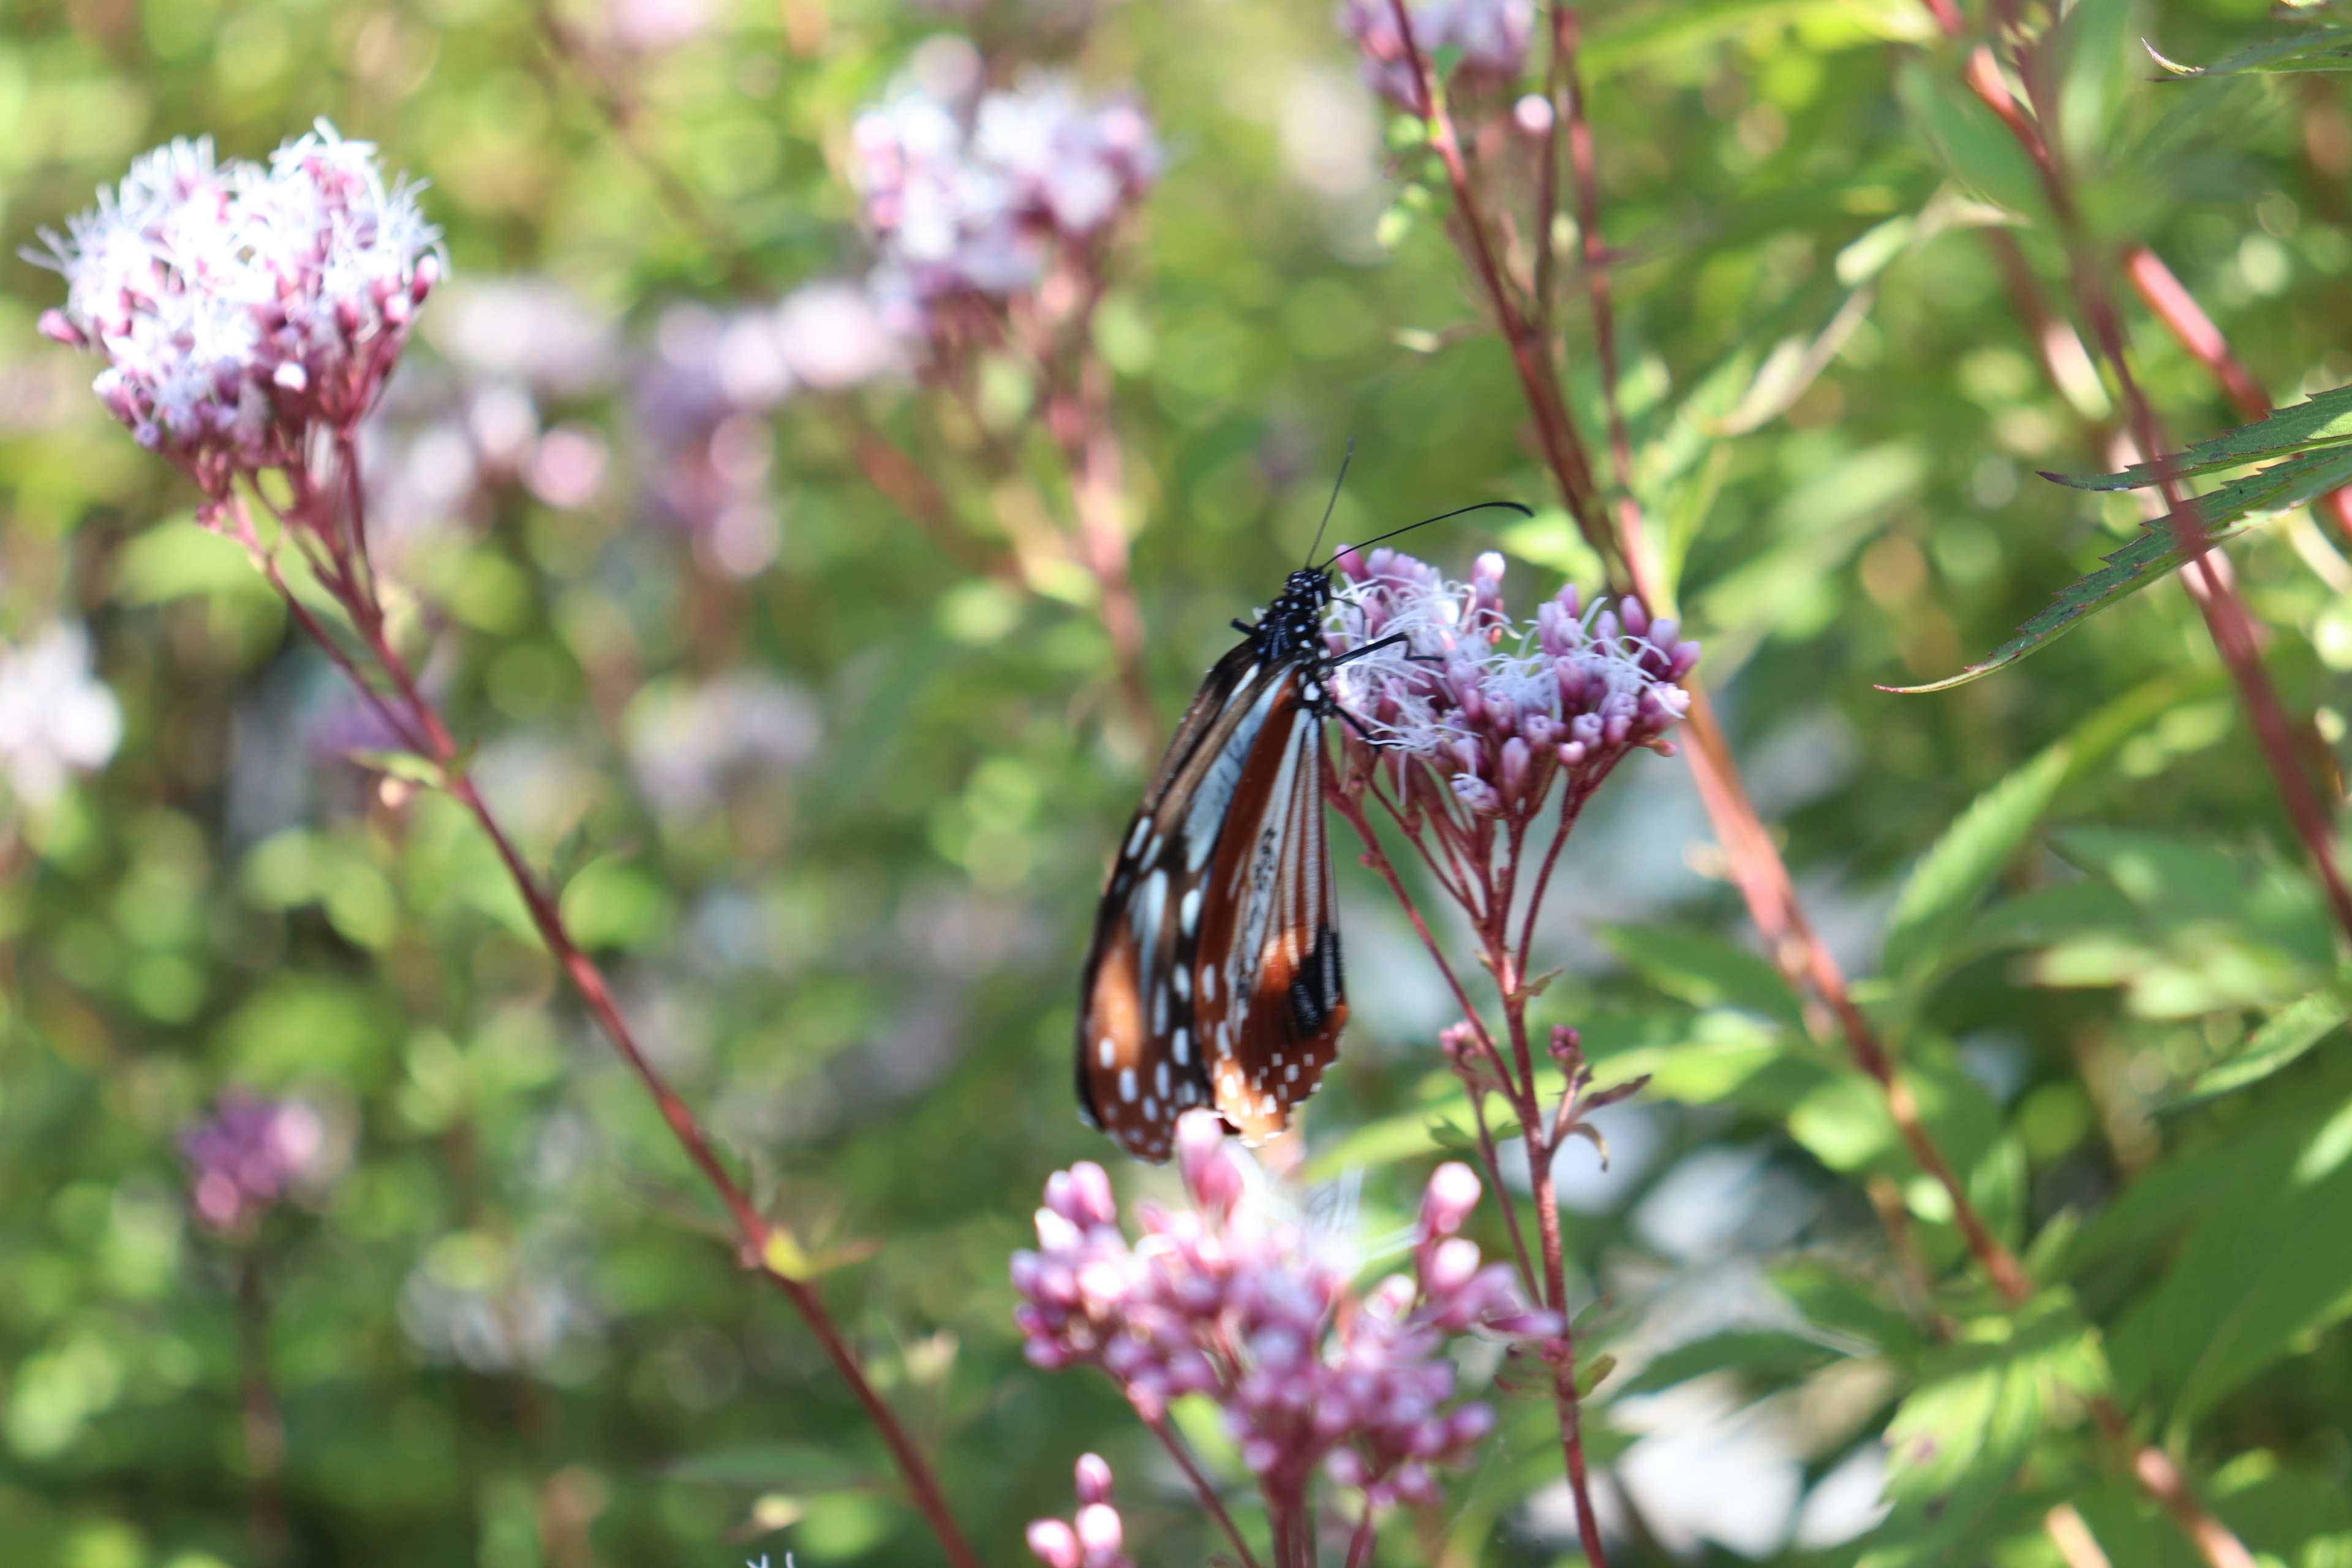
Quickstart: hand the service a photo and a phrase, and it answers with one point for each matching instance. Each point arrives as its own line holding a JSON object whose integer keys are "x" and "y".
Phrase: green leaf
{"x": 2323, "y": 49}
{"x": 1976, "y": 147}
{"x": 1849, "y": 1305}
{"x": 1963, "y": 863}
{"x": 2284, "y": 1036}
{"x": 1766, "y": 1358}
{"x": 612, "y": 903}
{"x": 2262, "y": 1272}
{"x": 1704, "y": 971}
{"x": 1957, "y": 1443}
{"x": 2325, "y": 420}
{"x": 2157, "y": 552}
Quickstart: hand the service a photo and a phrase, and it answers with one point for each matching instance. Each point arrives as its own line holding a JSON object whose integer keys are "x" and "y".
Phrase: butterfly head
{"x": 1292, "y": 626}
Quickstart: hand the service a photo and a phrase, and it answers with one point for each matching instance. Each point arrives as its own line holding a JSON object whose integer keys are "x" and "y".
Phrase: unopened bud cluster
{"x": 1096, "y": 1537}
{"x": 1230, "y": 1301}
{"x": 1495, "y": 713}
{"x": 240, "y": 306}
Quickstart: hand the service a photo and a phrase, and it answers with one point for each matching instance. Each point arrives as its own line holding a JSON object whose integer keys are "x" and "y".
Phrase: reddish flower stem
{"x": 2177, "y": 310}
{"x": 1182, "y": 1453}
{"x": 264, "y": 1426}
{"x": 1756, "y": 862}
{"x": 424, "y": 724}
{"x": 2226, "y": 617}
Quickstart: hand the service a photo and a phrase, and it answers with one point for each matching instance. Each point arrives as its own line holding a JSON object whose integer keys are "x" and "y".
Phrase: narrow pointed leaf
{"x": 1963, "y": 863}
{"x": 2325, "y": 420}
{"x": 2226, "y": 513}
{"x": 2284, "y": 1036}
{"x": 2321, "y": 49}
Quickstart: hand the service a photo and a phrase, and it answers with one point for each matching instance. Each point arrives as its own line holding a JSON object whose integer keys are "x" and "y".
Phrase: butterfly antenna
{"x": 1441, "y": 517}
{"x": 1334, "y": 502}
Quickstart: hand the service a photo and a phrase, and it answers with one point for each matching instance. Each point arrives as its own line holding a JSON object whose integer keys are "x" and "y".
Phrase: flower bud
{"x": 1099, "y": 1529}
{"x": 1093, "y": 1479}
{"x": 1453, "y": 1192}
{"x": 1209, "y": 1171}
{"x": 1533, "y": 114}
{"x": 1054, "y": 1544}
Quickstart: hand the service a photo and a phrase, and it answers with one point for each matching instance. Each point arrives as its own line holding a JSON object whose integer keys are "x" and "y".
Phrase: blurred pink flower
{"x": 978, "y": 207}
{"x": 56, "y": 717}
{"x": 1492, "y": 37}
{"x": 244, "y": 1157}
{"x": 1232, "y": 1302}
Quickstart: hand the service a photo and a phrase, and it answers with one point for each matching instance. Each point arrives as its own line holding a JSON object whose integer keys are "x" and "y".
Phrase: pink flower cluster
{"x": 1233, "y": 1301}
{"x": 979, "y": 207}
{"x": 246, "y": 1156}
{"x": 1492, "y": 37}
{"x": 1496, "y": 710}
{"x": 239, "y": 305}
{"x": 1096, "y": 1537}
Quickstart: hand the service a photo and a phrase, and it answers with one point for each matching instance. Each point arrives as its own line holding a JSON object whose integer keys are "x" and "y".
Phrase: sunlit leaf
{"x": 2283, "y": 1038}
{"x": 2323, "y": 420}
{"x": 1705, "y": 971}
{"x": 2323, "y": 49}
{"x": 2224, "y": 514}
{"x": 1958, "y": 1440}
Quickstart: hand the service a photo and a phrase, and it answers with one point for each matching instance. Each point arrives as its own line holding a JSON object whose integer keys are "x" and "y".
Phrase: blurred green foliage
{"x": 507, "y": 1333}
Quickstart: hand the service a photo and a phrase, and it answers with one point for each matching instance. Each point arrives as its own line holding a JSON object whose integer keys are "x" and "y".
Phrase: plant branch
{"x": 2177, "y": 310}
{"x": 2227, "y": 619}
{"x": 757, "y": 1238}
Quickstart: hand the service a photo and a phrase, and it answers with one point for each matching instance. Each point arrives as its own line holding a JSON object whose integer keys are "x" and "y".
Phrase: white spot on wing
{"x": 1127, "y": 1085}
{"x": 1106, "y": 1052}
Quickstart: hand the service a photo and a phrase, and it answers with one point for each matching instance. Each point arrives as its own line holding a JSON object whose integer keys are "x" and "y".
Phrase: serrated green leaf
{"x": 1705, "y": 971}
{"x": 2323, "y": 49}
{"x": 1963, "y": 863}
{"x": 2263, "y": 1269}
{"x": 1956, "y": 1444}
{"x": 2283, "y": 1038}
{"x": 2226, "y": 513}
{"x": 2323, "y": 420}
{"x": 1849, "y": 1305}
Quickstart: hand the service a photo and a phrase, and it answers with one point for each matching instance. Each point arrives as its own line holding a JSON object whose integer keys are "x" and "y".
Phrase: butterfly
{"x": 1214, "y": 977}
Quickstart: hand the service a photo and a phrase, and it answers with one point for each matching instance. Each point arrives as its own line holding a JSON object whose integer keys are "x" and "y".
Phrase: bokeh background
{"x": 836, "y": 803}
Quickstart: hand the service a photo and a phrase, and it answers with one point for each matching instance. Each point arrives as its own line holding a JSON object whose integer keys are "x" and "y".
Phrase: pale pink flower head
{"x": 241, "y": 306}
{"x": 247, "y": 1155}
{"x": 1236, "y": 1301}
{"x": 980, "y": 205}
{"x": 56, "y": 717}
{"x": 1475, "y": 715}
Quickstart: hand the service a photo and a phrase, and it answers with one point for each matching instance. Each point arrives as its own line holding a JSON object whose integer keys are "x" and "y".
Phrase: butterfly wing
{"x": 1270, "y": 999}
{"x": 1140, "y": 1054}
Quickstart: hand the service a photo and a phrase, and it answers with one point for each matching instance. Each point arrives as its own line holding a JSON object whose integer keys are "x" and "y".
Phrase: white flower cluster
{"x": 55, "y": 717}
{"x": 238, "y": 305}
{"x": 978, "y": 207}
{"x": 1500, "y": 707}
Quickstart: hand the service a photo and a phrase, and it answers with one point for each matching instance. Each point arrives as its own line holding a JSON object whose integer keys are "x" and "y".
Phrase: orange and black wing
{"x": 1270, "y": 999}
{"x": 1139, "y": 1062}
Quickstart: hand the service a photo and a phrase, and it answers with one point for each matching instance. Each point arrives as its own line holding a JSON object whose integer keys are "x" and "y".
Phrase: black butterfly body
{"x": 1213, "y": 978}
